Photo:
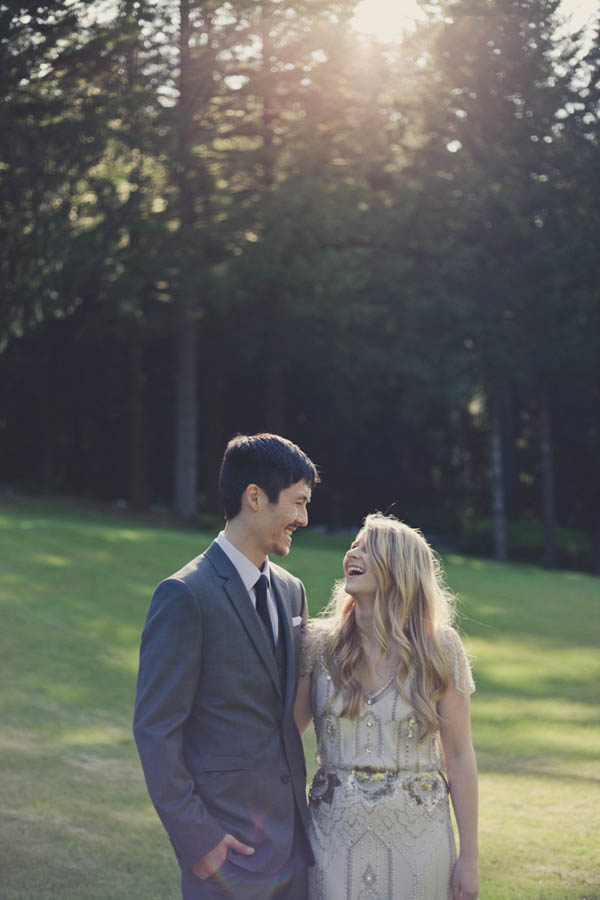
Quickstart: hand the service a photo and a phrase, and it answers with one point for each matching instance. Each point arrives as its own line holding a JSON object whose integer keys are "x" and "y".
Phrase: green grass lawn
{"x": 76, "y": 823}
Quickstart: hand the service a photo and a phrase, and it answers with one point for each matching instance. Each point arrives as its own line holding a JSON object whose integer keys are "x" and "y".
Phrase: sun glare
{"x": 388, "y": 20}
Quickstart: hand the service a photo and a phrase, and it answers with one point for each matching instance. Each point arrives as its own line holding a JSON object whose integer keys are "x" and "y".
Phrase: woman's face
{"x": 360, "y": 578}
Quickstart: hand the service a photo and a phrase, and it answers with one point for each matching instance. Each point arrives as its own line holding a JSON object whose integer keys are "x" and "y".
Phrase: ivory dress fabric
{"x": 380, "y": 817}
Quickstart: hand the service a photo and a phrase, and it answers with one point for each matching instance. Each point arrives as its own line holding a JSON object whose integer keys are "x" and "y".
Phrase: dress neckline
{"x": 370, "y": 699}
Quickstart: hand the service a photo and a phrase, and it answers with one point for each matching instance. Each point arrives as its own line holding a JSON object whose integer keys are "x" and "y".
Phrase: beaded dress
{"x": 380, "y": 817}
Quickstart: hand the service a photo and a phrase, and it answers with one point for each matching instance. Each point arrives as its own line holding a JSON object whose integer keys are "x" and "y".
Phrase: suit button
{"x": 286, "y": 779}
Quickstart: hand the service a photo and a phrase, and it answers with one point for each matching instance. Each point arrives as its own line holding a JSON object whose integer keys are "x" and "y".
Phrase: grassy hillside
{"x": 76, "y": 822}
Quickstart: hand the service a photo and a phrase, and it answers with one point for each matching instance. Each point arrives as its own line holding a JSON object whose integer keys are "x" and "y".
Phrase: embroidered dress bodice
{"x": 380, "y": 819}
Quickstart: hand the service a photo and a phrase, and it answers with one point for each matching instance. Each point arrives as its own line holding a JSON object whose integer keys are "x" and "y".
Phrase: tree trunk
{"x": 497, "y": 473}
{"x": 594, "y": 535}
{"x": 186, "y": 425}
{"x": 214, "y": 400}
{"x": 509, "y": 456}
{"x": 275, "y": 397}
{"x": 274, "y": 389}
{"x": 138, "y": 487}
{"x": 548, "y": 507}
{"x": 186, "y": 430}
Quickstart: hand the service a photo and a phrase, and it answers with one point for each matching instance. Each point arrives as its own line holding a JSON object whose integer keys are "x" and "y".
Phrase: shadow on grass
{"x": 500, "y": 601}
{"x": 26, "y": 875}
{"x": 540, "y": 766}
{"x": 51, "y": 859}
{"x": 78, "y": 588}
{"x": 572, "y": 688}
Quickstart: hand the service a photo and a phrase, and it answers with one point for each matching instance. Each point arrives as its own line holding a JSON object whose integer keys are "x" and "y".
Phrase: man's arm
{"x": 170, "y": 660}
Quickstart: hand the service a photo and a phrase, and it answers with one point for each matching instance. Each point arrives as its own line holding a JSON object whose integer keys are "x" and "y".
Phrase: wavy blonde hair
{"x": 412, "y": 605}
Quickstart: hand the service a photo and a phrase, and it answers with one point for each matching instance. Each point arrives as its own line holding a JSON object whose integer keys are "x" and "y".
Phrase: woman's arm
{"x": 303, "y": 705}
{"x": 461, "y": 769}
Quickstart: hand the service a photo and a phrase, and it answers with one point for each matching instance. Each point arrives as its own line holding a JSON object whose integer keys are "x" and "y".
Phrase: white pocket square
{"x": 296, "y": 620}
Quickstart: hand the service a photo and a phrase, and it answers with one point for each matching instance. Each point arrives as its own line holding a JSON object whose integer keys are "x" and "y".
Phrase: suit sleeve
{"x": 304, "y": 604}
{"x": 170, "y": 661}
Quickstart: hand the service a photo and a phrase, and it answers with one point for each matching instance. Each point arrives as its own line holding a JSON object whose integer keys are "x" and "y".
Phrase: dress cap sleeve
{"x": 458, "y": 662}
{"x": 311, "y": 641}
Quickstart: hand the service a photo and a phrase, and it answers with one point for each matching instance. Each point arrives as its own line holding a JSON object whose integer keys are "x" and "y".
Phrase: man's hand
{"x": 208, "y": 865}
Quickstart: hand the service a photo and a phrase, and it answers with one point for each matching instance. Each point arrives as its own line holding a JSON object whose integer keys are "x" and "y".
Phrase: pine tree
{"x": 50, "y": 140}
{"x": 493, "y": 90}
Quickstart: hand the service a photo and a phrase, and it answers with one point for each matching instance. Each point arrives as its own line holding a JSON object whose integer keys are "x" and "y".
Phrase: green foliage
{"x": 378, "y": 250}
{"x": 526, "y": 542}
{"x": 50, "y": 138}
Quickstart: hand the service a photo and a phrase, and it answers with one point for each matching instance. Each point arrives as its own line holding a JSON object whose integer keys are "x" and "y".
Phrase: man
{"x": 218, "y": 671}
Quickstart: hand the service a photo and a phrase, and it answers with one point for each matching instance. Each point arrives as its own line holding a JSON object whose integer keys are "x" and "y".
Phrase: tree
{"x": 493, "y": 92}
{"x": 51, "y": 138}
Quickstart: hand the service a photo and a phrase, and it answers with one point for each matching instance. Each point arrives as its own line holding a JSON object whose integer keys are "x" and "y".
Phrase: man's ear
{"x": 253, "y": 495}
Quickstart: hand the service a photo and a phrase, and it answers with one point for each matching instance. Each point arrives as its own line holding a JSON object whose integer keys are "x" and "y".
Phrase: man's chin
{"x": 282, "y": 549}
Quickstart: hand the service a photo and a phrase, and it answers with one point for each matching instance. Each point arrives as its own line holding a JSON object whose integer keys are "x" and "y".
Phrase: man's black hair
{"x": 268, "y": 460}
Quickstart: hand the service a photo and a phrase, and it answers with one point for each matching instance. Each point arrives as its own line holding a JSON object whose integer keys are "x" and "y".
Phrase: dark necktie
{"x": 262, "y": 607}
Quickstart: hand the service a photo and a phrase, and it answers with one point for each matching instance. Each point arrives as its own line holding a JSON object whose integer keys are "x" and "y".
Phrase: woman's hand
{"x": 465, "y": 880}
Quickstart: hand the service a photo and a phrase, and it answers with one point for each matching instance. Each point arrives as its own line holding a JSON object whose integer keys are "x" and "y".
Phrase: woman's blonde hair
{"x": 411, "y": 605}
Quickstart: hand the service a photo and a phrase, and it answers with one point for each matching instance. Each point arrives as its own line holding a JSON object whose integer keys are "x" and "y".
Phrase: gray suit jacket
{"x": 215, "y": 733}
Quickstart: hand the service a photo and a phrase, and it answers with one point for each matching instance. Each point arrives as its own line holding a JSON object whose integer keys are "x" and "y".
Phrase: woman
{"x": 388, "y": 682}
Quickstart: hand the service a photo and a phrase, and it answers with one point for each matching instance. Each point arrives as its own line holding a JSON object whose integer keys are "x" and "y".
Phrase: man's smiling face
{"x": 276, "y": 522}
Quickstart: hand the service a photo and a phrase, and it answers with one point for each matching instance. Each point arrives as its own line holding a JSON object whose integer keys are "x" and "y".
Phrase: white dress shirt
{"x": 249, "y": 573}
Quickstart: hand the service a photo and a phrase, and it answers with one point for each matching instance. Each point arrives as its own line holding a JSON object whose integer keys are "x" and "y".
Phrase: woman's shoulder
{"x": 449, "y": 638}
{"x": 314, "y": 635}
{"x": 457, "y": 660}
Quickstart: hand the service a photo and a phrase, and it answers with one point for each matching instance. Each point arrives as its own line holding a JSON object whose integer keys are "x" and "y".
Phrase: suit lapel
{"x": 241, "y": 602}
{"x": 285, "y": 634}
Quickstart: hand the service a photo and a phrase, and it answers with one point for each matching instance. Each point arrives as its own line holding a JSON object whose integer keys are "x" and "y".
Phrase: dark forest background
{"x": 232, "y": 217}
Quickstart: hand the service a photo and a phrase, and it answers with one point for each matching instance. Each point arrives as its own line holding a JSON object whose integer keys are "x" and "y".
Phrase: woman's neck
{"x": 364, "y": 613}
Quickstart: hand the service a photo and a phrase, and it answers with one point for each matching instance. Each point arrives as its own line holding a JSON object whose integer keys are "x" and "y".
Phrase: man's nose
{"x": 302, "y": 517}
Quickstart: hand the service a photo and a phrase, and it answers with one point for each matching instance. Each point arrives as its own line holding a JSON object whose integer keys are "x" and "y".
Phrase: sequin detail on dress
{"x": 380, "y": 818}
